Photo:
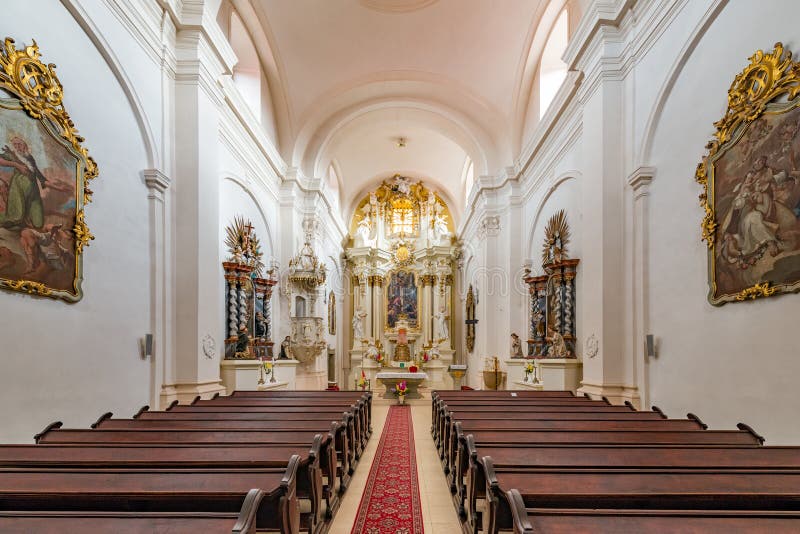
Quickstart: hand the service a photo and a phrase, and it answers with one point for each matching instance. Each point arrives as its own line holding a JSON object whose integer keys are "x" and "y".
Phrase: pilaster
{"x": 163, "y": 363}
{"x": 639, "y": 182}
{"x": 198, "y": 327}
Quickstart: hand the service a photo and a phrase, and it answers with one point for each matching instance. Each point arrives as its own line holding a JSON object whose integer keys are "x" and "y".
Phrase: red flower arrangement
{"x": 413, "y": 369}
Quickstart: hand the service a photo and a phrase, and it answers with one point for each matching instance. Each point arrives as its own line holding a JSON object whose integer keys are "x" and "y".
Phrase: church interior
{"x": 399, "y": 266}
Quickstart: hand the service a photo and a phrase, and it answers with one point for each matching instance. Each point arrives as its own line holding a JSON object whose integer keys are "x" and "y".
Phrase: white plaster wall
{"x": 74, "y": 362}
{"x": 738, "y": 362}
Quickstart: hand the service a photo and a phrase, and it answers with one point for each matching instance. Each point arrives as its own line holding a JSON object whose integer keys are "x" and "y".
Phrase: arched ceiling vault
{"x": 444, "y": 75}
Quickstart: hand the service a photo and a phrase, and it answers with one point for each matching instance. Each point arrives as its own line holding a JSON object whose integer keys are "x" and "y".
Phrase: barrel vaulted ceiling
{"x": 355, "y": 75}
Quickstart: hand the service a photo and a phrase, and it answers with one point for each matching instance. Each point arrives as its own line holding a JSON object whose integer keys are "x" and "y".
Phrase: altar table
{"x": 390, "y": 379}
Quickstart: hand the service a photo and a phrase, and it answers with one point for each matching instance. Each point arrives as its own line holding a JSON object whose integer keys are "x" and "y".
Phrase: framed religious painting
{"x": 401, "y": 299}
{"x": 44, "y": 177}
{"x": 751, "y": 176}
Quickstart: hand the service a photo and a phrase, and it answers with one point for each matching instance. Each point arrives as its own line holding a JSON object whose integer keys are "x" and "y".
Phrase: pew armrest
{"x": 697, "y": 420}
{"x": 246, "y": 522}
{"x": 748, "y": 428}
{"x": 52, "y": 426}
{"x": 143, "y": 409}
{"x": 102, "y": 418}
{"x": 172, "y": 404}
{"x": 658, "y": 411}
{"x": 519, "y": 515}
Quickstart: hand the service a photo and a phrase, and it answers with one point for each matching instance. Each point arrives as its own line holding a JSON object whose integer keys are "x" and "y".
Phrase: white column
{"x": 640, "y": 181}
{"x": 377, "y": 295}
{"x": 160, "y": 274}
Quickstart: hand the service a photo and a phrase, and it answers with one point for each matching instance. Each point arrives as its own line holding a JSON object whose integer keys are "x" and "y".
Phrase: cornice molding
{"x": 156, "y": 180}
{"x": 640, "y": 180}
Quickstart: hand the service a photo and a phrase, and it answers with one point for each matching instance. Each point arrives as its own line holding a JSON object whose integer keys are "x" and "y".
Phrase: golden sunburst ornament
{"x": 243, "y": 245}
{"x": 556, "y": 238}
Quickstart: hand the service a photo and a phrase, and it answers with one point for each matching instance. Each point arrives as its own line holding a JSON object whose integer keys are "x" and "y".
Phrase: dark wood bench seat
{"x": 310, "y": 485}
{"x": 530, "y": 458}
{"x": 448, "y": 413}
{"x": 361, "y": 422}
{"x": 614, "y": 521}
{"x": 647, "y": 489}
{"x": 26, "y": 522}
{"x": 156, "y": 490}
{"x": 456, "y": 462}
{"x": 442, "y": 432}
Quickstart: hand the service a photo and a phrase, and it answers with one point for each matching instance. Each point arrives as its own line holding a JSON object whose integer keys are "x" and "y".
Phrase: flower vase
{"x": 401, "y": 399}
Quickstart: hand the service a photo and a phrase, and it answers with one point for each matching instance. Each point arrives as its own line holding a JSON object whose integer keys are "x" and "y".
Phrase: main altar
{"x": 401, "y": 257}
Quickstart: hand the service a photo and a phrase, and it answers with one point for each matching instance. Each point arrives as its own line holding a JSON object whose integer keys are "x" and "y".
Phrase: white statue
{"x": 516, "y": 346}
{"x": 440, "y": 230}
{"x": 371, "y": 351}
{"x": 441, "y": 317}
{"x": 403, "y": 185}
{"x": 365, "y": 229}
{"x": 358, "y": 324}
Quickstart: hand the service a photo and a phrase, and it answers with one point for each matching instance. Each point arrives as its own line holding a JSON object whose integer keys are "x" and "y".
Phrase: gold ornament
{"x": 556, "y": 238}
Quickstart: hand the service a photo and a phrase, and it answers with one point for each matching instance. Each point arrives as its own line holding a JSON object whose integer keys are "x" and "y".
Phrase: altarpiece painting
{"x": 752, "y": 184}
{"x": 44, "y": 173}
{"x": 401, "y": 298}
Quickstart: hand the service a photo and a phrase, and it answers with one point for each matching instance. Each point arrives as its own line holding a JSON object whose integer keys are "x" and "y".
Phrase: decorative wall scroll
{"x": 44, "y": 180}
{"x": 751, "y": 182}
{"x": 552, "y": 296}
{"x": 247, "y": 294}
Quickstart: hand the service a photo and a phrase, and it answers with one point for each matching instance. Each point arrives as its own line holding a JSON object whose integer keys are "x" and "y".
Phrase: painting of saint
{"x": 401, "y": 298}
{"x": 38, "y": 202}
{"x": 756, "y": 198}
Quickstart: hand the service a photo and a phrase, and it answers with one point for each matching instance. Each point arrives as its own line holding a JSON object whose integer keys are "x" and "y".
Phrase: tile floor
{"x": 438, "y": 514}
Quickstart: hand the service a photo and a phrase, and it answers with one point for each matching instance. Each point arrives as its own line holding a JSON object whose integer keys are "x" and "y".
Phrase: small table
{"x": 390, "y": 379}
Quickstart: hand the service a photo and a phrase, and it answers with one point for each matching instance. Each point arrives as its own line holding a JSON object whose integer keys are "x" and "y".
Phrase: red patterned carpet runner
{"x": 390, "y": 504}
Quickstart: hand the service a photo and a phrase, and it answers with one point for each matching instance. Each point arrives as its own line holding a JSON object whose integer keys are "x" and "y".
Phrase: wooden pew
{"x": 447, "y": 413}
{"x": 464, "y": 448}
{"x": 156, "y": 490}
{"x": 443, "y": 433}
{"x": 638, "y": 489}
{"x": 124, "y": 456}
{"x": 527, "y": 520}
{"x": 460, "y": 429}
{"x": 530, "y": 458}
{"x": 86, "y": 522}
{"x": 360, "y": 414}
{"x": 347, "y": 419}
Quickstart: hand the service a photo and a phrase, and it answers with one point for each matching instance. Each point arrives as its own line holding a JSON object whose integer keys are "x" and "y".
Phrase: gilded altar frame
{"x": 29, "y": 86}
{"x": 767, "y": 88}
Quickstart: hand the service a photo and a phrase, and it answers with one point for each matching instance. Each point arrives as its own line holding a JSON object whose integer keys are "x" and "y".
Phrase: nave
{"x": 350, "y": 462}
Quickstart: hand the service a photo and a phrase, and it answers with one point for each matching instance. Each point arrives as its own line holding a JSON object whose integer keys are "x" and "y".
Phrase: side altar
{"x": 401, "y": 257}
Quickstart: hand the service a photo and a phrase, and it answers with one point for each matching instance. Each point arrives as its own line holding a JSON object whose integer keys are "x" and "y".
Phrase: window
{"x": 552, "y": 70}
{"x": 403, "y": 220}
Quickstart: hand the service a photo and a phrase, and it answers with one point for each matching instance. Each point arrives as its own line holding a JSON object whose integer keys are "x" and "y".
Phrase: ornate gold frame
{"x": 40, "y": 94}
{"x": 768, "y": 77}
